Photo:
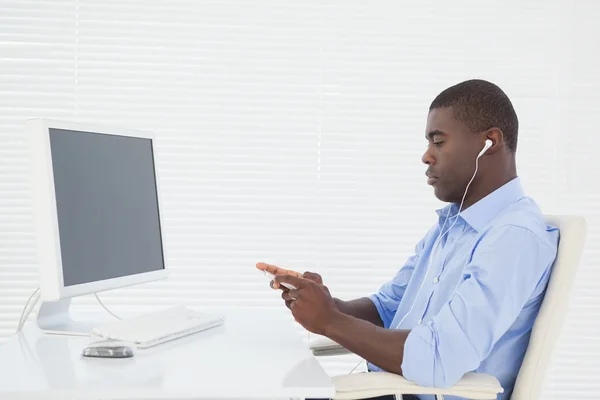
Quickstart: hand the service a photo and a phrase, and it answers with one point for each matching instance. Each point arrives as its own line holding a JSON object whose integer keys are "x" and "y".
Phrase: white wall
{"x": 292, "y": 132}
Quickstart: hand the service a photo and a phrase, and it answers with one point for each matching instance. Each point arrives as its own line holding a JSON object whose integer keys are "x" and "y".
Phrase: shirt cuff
{"x": 438, "y": 359}
{"x": 381, "y": 310}
{"x": 417, "y": 363}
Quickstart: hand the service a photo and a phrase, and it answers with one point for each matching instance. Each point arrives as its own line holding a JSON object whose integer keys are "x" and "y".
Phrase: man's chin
{"x": 440, "y": 194}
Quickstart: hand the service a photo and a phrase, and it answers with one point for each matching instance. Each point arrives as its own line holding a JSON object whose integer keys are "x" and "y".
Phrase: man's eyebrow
{"x": 436, "y": 132}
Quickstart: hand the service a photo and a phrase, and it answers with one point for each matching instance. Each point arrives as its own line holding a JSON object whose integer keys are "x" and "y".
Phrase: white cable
{"x": 35, "y": 296}
{"x": 443, "y": 225}
{"x": 440, "y": 238}
{"x": 362, "y": 359}
{"x": 106, "y": 308}
{"x": 27, "y": 309}
{"x": 435, "y": 246}
{"x": 356, "y": 366}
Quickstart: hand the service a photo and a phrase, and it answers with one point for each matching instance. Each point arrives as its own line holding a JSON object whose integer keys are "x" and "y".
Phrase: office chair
{"x": 544, "y": 336}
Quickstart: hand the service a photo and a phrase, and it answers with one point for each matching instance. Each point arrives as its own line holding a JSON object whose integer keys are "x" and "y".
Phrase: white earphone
{"x": 488, "y": 144}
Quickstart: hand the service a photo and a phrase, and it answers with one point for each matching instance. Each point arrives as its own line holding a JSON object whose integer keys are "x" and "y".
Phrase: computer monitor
{"x": 96, "y": 202}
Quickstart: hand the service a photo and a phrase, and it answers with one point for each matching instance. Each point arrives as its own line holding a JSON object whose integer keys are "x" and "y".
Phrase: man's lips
{"x": 431, "y": 179}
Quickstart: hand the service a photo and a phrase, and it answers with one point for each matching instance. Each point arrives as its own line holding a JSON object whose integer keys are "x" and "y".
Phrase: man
{"x": 467, "y": 299}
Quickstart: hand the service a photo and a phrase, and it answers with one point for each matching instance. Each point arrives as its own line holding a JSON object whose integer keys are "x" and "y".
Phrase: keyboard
{"x": 158, "y": 327}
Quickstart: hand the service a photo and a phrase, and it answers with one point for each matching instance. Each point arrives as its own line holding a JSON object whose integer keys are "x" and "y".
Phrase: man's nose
{"x": 427, "y": 158}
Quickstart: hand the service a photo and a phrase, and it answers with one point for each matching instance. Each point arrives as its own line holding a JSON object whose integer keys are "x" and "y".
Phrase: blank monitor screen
{"x": 107, "y": 205}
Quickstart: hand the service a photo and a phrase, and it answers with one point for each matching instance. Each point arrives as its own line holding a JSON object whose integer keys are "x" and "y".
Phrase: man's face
{"x": 450, "y": 155}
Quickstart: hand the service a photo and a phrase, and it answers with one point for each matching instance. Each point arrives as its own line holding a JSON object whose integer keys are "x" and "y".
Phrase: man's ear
{"x": 497, "y": 138}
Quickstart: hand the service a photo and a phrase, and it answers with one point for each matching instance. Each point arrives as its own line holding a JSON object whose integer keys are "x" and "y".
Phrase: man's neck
{"x": 483, "y": 187}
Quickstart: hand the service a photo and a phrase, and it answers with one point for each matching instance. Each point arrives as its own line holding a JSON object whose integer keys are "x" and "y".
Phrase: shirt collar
{"x": 486, "y": 209}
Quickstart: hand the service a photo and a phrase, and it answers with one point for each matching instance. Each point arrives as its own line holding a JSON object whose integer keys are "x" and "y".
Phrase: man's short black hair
{"x": 481, "y": 105}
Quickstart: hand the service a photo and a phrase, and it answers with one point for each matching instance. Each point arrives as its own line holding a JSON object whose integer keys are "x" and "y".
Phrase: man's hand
{"x": 316, "y": 278}
{"x": 362, "y": 308}
{"x": 311, "y": 303}
{"x": 275, "y": 270}
{"x": 355, "y": 325}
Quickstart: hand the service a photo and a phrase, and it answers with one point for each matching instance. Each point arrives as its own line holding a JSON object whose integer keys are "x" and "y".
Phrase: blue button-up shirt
{"x": 470, "y": 300}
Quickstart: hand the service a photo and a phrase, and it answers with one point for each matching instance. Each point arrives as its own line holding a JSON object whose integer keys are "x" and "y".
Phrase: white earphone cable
{"x": 439, "y": 239}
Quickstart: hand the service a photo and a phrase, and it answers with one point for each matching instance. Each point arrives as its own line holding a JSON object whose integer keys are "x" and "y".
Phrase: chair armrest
{"x": 323, "y": 346}
{"x": 372, "y": 384}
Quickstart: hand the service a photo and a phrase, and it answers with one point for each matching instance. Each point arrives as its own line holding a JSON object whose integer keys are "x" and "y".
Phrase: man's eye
{"x": 438, "y": 144}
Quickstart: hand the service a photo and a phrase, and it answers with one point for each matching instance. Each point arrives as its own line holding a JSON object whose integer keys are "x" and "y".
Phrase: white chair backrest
{"x": 549, "y": 322}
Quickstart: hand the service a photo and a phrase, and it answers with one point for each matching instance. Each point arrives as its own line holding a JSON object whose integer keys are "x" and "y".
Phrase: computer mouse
{"x": 109, "y": 349}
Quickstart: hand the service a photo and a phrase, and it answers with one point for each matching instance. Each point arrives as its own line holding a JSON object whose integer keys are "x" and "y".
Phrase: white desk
{"x": 254, "y": 354}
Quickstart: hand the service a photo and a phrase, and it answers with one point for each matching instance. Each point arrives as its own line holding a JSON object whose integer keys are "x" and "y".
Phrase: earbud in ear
{"x": 488, "y": 144}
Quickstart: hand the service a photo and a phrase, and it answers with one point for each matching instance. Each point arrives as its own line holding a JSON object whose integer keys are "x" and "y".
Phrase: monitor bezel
{"x": 49, "y": 257}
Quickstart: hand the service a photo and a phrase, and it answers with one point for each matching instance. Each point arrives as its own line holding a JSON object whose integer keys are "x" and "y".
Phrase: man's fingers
{"x": 283, "y": 271}
{"x": 286, "y": 296}
{"x": 313, "y": 277}
{"x": 293, "y": 294}
{"x": 292, "y": 280}
{"x": 267, "y": 267}
{"x": 276, "y": 285}
{"x": 275, "y": 270}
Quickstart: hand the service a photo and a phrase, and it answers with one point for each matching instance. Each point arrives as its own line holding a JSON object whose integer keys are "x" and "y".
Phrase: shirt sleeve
{"x": 388, "y": 298}
{"x": 509, "y": 265}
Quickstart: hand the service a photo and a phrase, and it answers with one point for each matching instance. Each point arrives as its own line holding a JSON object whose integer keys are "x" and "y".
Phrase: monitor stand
{"x": 54, "y": 318}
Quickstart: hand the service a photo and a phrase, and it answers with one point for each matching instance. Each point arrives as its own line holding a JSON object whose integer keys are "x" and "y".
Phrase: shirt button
{"x": 436, "y": 279}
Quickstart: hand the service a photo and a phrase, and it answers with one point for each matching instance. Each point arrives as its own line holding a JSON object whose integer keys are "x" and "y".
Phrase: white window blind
{"x": 291, "y": 132}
